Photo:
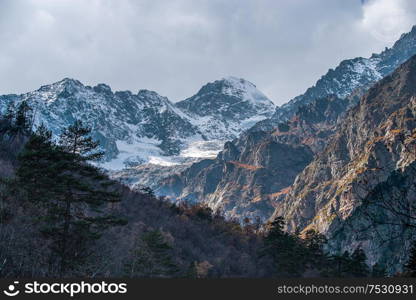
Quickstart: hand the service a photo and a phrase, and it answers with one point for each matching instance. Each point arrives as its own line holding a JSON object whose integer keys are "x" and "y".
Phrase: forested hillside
{"x": 62, "y": 216}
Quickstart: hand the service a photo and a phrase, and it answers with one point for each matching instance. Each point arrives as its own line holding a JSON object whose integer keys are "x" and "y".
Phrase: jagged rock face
{"x": 375, "y": 140}
{"x": 348, "y": 76}
{"x": 224, "y": 108}
{"x": 311, "y": 120}
{"x": 252, "y": 172}
{"x": 323, "y": 110}
{"x": 136, "y": 128}
{"x": 314, "y": 123}
{"x": 114, "y": 117}
{"x": 244, "y": 178}
{"x": 221, "y": 110}
{"x": 381, "y": 224}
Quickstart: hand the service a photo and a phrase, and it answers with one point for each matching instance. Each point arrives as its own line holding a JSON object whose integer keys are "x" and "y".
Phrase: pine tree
{"x": 338, "y": 266}
{"x": 192, "y": 271}
{"x": 77, "y": 140}
{"x": 162, "y": 253}
{"x": 378, "y": 271}
{"x": 7, "y": 192}
{"x": 23, "y": 118}
{"x": 152, "y": 257}
{"x": 358, "y": 266}
{"x": 314, "y": 243}
{"x": 284, "y": 249}
{"x": 410, "y": 266}
{"x": 70, "y": 192}
{"x": 37, "y": 171}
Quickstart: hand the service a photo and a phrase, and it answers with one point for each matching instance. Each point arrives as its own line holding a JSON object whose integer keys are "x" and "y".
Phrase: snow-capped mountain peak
{"x": 61, "y": 89}
{"x": 224, "y": 108}
{"x": 143, "y": 127}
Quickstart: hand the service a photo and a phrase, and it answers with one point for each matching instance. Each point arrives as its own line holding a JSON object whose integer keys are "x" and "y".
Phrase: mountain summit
{"x": 230, "y": 97}
{"x": 224, "y": 108}
{"x": 147, "y": 127}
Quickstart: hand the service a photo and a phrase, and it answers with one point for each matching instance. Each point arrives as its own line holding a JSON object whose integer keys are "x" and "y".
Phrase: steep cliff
{"x": 250, "y": 174}
{"x": 372, "y": 145}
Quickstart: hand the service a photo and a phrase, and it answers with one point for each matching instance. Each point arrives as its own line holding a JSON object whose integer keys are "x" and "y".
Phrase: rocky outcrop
{"x": 242, "y": 181}
{"x": 252, "y": 172}
{"x": 375, "y": 140}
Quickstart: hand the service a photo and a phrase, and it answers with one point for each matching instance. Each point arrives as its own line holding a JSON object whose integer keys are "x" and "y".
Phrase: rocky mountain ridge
{"x": 146, "y": 127}
{"x": 248, "y": 175}
{"x": 311, "y": 125}
{"x": 373, "y": 145}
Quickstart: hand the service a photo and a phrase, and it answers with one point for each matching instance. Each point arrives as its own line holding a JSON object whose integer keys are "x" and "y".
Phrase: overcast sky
{"x": 176, "y": 46}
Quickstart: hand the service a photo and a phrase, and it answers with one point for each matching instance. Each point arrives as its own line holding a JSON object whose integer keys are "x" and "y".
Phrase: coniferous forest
{"x": 61, "y": 216}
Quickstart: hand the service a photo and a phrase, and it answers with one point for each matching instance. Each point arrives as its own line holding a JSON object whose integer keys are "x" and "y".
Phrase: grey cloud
{"x": 174, "y": 47}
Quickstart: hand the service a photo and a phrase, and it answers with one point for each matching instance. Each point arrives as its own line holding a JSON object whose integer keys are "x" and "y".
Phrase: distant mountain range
{"x": 254, "y": 170}
{"x": 136, "y": 129}
{"x": 146, "y": 127}
{"x": 339, "y": 158}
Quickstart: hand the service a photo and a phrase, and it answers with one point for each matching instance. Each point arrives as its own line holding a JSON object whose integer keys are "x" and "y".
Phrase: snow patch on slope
{"x": 141, "y": 128}
{"x": 203, "y": 149}
{"x": 140, "y": 151}
{"x": 146, "y": 151}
